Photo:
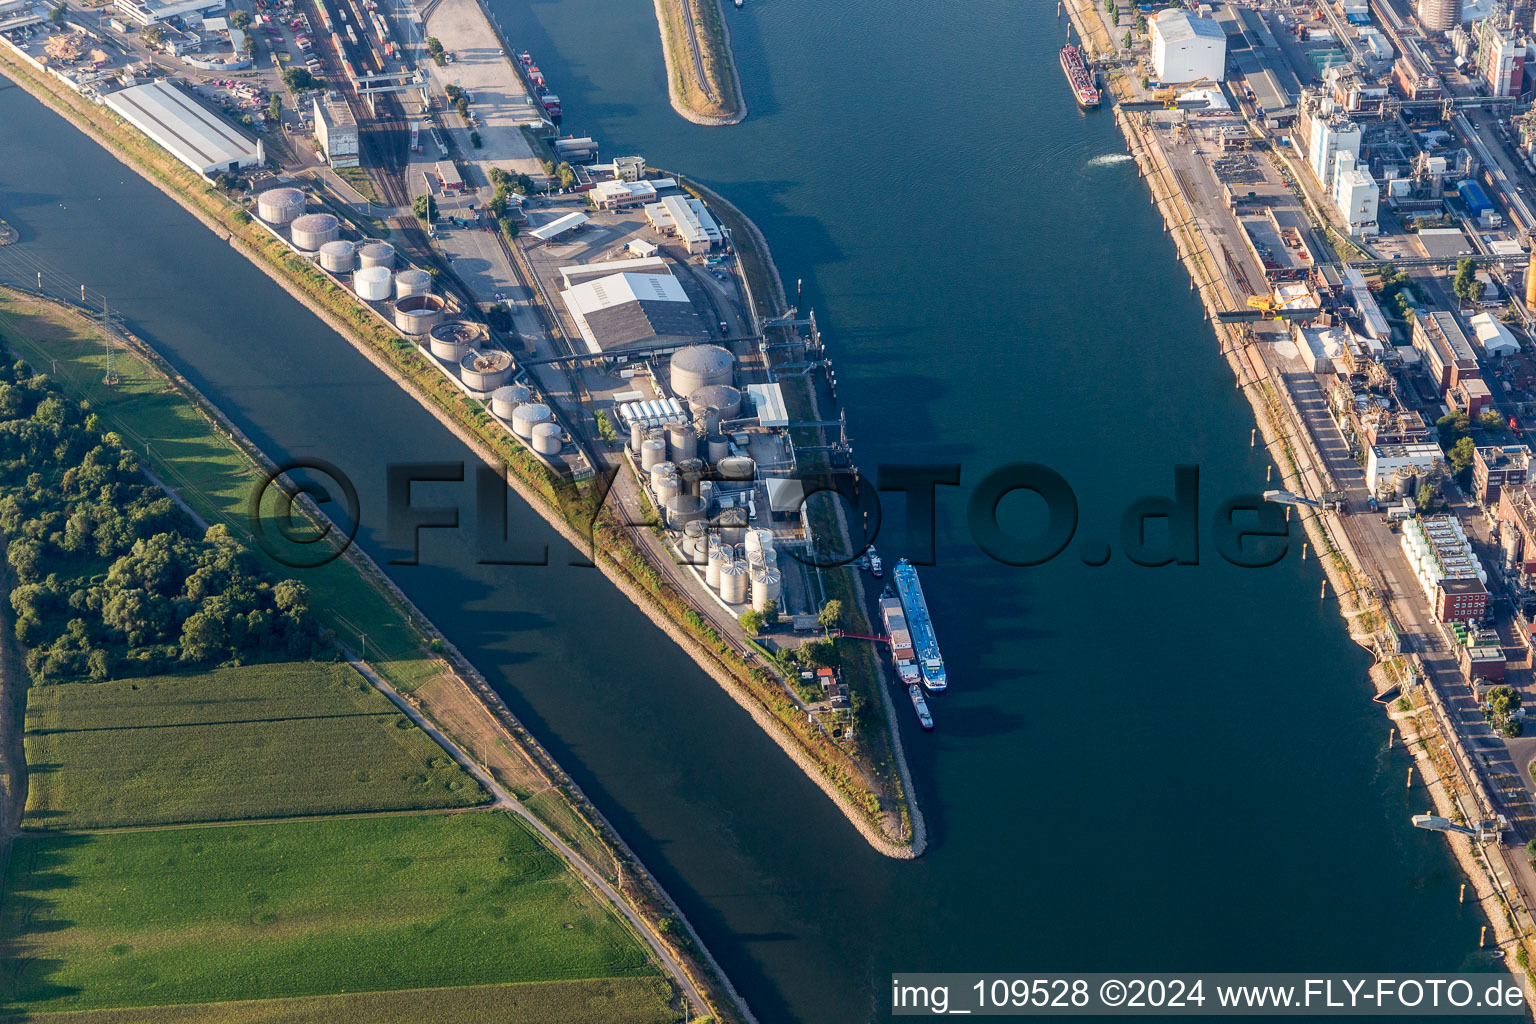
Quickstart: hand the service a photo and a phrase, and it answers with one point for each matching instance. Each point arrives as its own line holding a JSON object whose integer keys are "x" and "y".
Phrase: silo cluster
{"x": 338, "y": 256}
{"x": 506, "y": 399}
{"x": 699, "y": 366}
{"x": 529, "y": 415}
{"x": 418, "y": 314}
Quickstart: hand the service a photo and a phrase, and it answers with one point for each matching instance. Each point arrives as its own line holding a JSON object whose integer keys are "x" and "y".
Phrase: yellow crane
{"x": 1267, "y": 307}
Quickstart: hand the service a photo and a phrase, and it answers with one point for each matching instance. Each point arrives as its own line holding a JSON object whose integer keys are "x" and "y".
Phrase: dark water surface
{"x": 1135, "y": 768}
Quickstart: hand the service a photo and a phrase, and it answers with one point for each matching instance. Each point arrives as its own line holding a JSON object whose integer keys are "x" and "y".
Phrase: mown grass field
{"x": 609, "y": 1000}
{"x": 209, "y": 471}
{"x": 258, "y": 741}
{"x": 221, "y": 913}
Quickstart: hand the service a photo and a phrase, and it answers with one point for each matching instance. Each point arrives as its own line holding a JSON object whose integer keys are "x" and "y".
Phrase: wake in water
{"x": 1110, "y": 159}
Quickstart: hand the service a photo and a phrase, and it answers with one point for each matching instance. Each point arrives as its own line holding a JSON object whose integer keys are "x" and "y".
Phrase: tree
{"x": 425, "y": 208}
{"x": 816, "y": 653}
{"x": 249, "y": 46}
{"x": 300, "y": 80}
{"x": 474, "y": 139}
{"x": 499, "y": 319}
{"x": 1452, "y": 427}
{"x": 831, "y": 616}
{"x": 1462, "y": 454}
{"x": 435, "y": 48}
{"x": 1491, "y": 419}
{"x": 57, "y": 14}
{"x": 770, "y": 613}
{"x": 1465, "y": 285}
{"x": 154, "y": 35}
{"x": 566, "y": 175}
{"x": 752, "y": 622}
{"x": 275, "y": 108}
{"x": 508, "y": 227}
{"x": 1499, "y": 707}
{"x": 240, "y": 19}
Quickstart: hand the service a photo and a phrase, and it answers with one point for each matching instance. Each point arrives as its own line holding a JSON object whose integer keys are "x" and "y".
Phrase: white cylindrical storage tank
{"x": 546, "y": 438}
{"x": 771, "y": 558}
{"x": 453, "y": 339}
{"x": 696, "y": 541}
{"x": 716, "y": 396}
{"x": 666, "y": 488}
{"x": 763, "y": 541}
{"x": 753, "y": 542}
{"x": 636, "y": 433}
{"x": 737, "y": 467}
{"x": 505, "y": 400}
{"x": 682, "y": 442}
{"x": 313, "y": 230}
{"x": 412, "y": 282}
{"x": 371, "y": 283}
{"x": 526, "y": 417}
{"x": 482, "y": 370}
{"x": 699, "y": 366}
{"x": 338, "y": 256}
{"x": 718, "y": 447}
{"x": 376, "y": 254}
{"x": 418, "y": 314}
{"x": 280, "y": 205}
{"x": 733, "y": 583}
{"x": 767, "y": 584}
{"x": 653, "y": 451}
{"x": 660, "y": 470}
{"x": 717, "y": 559}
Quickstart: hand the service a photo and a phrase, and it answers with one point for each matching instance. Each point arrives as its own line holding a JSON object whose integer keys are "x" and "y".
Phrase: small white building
{"x": 686, "y": 219}
{"x": 1385, "y": 460}
{"x": 1493, "y": 338}
{"x": 1358, "y": 198}
{"x": 1186, "y": 48}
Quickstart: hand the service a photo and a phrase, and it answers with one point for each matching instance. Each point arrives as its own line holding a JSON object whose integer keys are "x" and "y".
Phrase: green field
{"x": 259, "y": 741}
{"x": 219, "y": 913}
{"x": 609, "y": 1000}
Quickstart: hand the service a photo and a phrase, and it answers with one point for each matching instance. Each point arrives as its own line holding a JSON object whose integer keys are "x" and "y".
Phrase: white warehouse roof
{"x": 1495, "y": 339}
{"x": 559, "y": 226}
{"x": 768, "y": 400}
{"x": 190, "y": 131}
{"x": 1179, "y": 26}
{"x": 617, "y": 289}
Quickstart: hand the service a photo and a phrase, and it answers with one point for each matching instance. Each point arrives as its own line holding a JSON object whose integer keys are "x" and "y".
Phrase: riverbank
{"x": 571, "y": 512}
{"x": 1272, "y": 406}
{"x": 442, "y": 685}
{"x": 703, "y": 84}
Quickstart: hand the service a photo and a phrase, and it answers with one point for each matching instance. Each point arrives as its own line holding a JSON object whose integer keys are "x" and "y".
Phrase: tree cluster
{"x": 110, "y": 576}
{"x": 1499, "y": 707}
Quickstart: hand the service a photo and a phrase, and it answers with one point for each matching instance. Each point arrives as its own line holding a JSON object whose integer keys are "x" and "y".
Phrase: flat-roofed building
{"x": 559, "y": 226}
{"x": 1517, "y": 523}
{"x": 1447, "y": 353}
{"x": 1471, "y": 396}
{"x": 1186, "y": 48}
{"x": 191, "y": 132}
{"x": 1496, "y": 467}
{"x": 1446, "y": 567}
{"x": 686, "y": 219}
{"x": 632, "y": 310}
{"x": 147, "y": 12}
{"x": 572, "y": 276}
{"x": 336, "y": 131}
{"x": 1386, "y": 461}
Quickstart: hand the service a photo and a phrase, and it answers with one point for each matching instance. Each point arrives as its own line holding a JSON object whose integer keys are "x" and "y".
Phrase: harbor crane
{"x": 1167, "y": 98}
{"x": 1267, "y": 307}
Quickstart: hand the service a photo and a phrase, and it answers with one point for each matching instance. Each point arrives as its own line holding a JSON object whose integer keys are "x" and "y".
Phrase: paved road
{"x": 506, "y": 801}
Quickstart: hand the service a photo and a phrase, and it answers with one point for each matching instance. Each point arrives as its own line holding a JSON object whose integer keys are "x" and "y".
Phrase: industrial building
{"x": 687, "y": 220}
{"x": 572, "y": 276}
{"x": 629, "y": 309}
{"x": 1388, "y": 467}
{"x": 1496, "y": 340}
{"x": 1186, "y": 48}
{"x": 1501, "y": 56}
{"x": 1447, "y": 354}
{"x": 1439, "y": 15}
{"x": 336, "y": 131}
{"x": 191, "y": 132}
{"x": 1358, "y": 198}
{"x": 147, "y": 12}
{"x": 616, "y": 193}
{"x": 1446, "y": 567}
{"x": 1496, "y": 467}
{"x": 559, "y": 226}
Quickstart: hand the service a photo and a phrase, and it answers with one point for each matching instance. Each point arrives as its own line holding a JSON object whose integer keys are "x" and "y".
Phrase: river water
{"x": 1176, "y": 768}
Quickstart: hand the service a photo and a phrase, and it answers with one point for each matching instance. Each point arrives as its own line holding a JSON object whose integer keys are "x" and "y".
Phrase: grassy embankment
{"x": 714, "y": 51}
{"x": 573, "y": 505}
{"x": 213, "y": 474}
{"x": 323, "y": 907}
{"x": 260, "y": 741}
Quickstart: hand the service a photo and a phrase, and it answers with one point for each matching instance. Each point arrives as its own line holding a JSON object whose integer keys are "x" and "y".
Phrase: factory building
{"x": 686, "y": 219}
{"x": 1439, "y": 15}
{"x": 1358, "y": 198}
{"x": 336, "y": 131}
{"x": 1186, "y": 48}
{"x": 147, "y": 12}
{"x": 1517, "y": 528}
{"x": 190, "y": 131}
{"x": 1447, "y": 354}
{"x": 626, "y": 309}
{"x": 1496, "y": 467}
{"x": 1328, "y": 138}
{"x": 16, "y": 14}
{"x": 570, "y": 277}
{"x": 1500, "y": 58}
{"x": 1446, "y": 567}
{"x": 617, "y": 193}
{"x": 1389, "y": 466}
{"x": 1496, "y": 340}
